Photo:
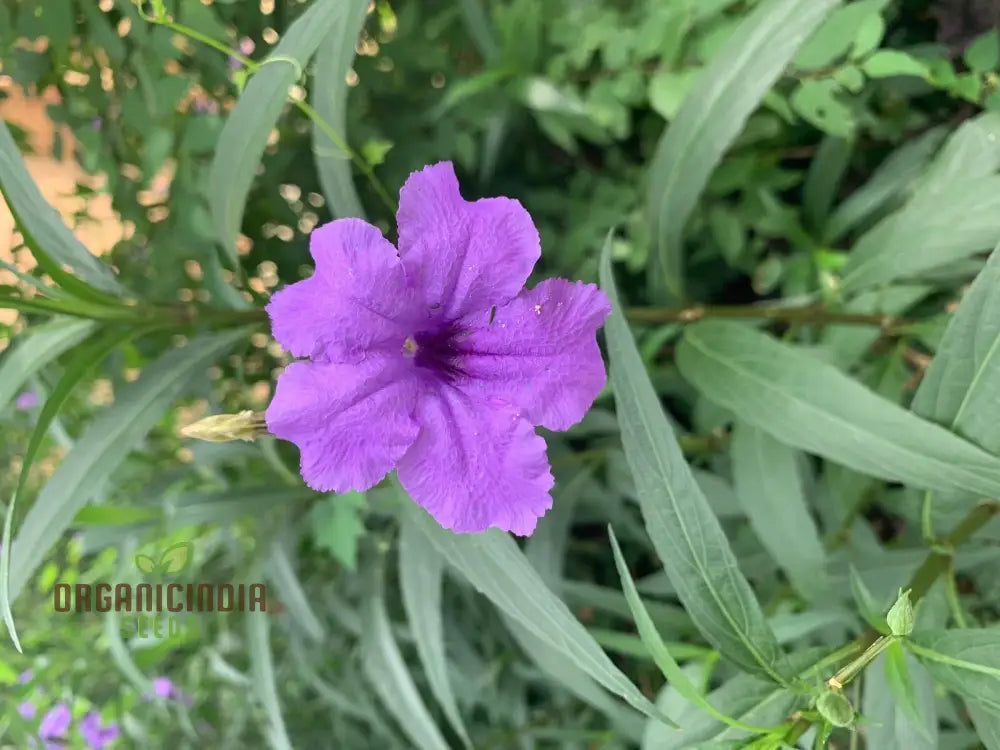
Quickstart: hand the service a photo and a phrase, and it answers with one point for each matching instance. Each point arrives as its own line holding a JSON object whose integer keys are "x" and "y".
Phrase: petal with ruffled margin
{"x": 540, "y": 352}
{"x": 476, "y": 465}
{"x": 357, "y": 300}
{"x": 350, "y": 422}
{"x": 464, "y": 256}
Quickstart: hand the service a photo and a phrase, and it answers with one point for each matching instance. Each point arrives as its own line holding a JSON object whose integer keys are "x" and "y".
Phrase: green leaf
{"x": 667, "y": 90}
{"x": 912, "y": 691}
{"x": 824, "y": 176}
{"x": 983, "y": 55}
{"x": 893, "y": 176}
{"x": 954, "y": 213}
{"x": 657, "y": 648}
{"x": 114, "y": 515}
{"x": 811, "y": 405}
{"x": 43, "y": 228}
{"x": 961, "y": 388}
{"x": 421, "y": 574}
{"x": 987, "y": 724}
{"x": 145, "y": 564}
{"x": 175, "y": 558}
{"x": 965, "y": 661}
{"x": 724, "y": 95}
{"x": 869, "y": 36}
{"x": 768, "y": 484}
{"x": 817, "y": 103}
{"x": 329, "y": 99}
{"x": 281, "y": 571}
{"x": 685, "y": 532}
{"x": 258, "y": 635}
{"x": 867, "y": 606}
{"x": 245, "y": 133}
{"x": 387, "y": 672}
{"x": 887, "y": 63}
{"x": 748, "y": 698}
{"x": 36, "y": 348}
{"x": 834, "y": 38}
{"x": 494, "y": 564}
{"x": 337, "y": 524}
{"x": 105, "y": 444}
{"x": 91, "y": 354}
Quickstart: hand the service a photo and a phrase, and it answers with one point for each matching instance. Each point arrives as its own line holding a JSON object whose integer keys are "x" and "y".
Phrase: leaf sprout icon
{"x": 172, "y": 561}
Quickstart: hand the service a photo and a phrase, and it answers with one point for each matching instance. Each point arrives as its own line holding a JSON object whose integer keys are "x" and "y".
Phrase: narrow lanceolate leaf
{"x": 811, "y": 405}
{"x": 965, "y": 661}
{"x": 987, "y": 724}
{"x": 745, "y": 697}
{"x": 658, "y": 650}
{"x": 281, "y": 572}
{"x": 954, "y": 213}
{"x": 721, "y": 99}
{"x": 329, "y": 98}
{"x": 421, "y": 573}
{"x": 87, "y": 358}
{"x": 769, "y": 487}
{"x": 961, "y": 388}
{"x": 495, "y": 565}
{"x": 105, "y": 444}
{"x": 387, "y": 672}
{"x": 245, "y": 134}
{"x": 258, "y": 628}
{"x": 891, "y": 724}
{"x": 41, "y": 224}
{"x": 34, "y": 350}
{"x": 685, "y": 532}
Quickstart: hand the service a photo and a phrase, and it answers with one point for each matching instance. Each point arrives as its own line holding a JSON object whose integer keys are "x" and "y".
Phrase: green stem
{"x": 809, "y": 314}
{"x": 920, "y": 583}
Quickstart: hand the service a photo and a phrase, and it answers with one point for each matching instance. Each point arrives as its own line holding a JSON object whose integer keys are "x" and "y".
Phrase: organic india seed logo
{"x": 160, "y": 606}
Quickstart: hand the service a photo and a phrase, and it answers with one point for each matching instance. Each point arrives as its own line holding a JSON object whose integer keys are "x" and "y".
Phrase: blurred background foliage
{"x": 561, "y": 104}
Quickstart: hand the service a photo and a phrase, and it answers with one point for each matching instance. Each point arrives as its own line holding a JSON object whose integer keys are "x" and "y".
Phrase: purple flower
{"x": 96, "y": 736}
{"x": 27, "y": 710}
{"x": 55, "y": 723}
{"x": 163, "y": 688}
{"x": 25, "y": 677}
{"x": 435, "y": 359}
{"x": 26, "y": 400}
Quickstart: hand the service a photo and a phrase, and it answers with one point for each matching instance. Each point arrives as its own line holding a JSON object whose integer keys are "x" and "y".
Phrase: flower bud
{"x": 221, "y": 428}
{"x": 900, "y": 615}
{"x": 835, "y": 708}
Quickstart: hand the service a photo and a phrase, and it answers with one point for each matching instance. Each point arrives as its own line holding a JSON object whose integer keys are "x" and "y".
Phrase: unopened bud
{"x": 221, "y": 428}
{"x": 900, "y": 615}
{"x": 835, "y": 708}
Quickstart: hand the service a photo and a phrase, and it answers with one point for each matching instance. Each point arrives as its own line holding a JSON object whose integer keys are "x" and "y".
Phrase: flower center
{"x": 435, "y": 351}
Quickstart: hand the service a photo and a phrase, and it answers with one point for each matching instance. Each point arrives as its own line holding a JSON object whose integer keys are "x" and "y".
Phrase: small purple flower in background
{"x": 97, "y": 123}
{"x": 434, "y": 359}
{"x": 55, "y": 723}
{"x": 164, "y": 688}
{"x": 96, "y": 736}
{"x": 246, "y": 48}
{"x": 26, "y": 400}
{"x": 27, "y": 710}
{"x": 25, "y": 677}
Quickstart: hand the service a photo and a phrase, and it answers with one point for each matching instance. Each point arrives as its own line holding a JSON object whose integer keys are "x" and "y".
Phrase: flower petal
{"x": 357, "y": 301}
{"x": 350, "y": 422}
{"x": 540, "y": 352}
{"x": 464, "y": 256}
{"x": 476, "y": 465}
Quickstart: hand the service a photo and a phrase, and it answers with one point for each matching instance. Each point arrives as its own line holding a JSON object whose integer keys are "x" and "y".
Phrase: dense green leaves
{"x": 245, "y": 134}
{"x": 37, "y": 348}
{"x": 105, "y": 444}
{"x": 899, "y": 704}
{"x": 492, "y": 562}
{"x": 811, "y": 405}
{"x": 684, "y": 530}
{"x": 722, "y": 97}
